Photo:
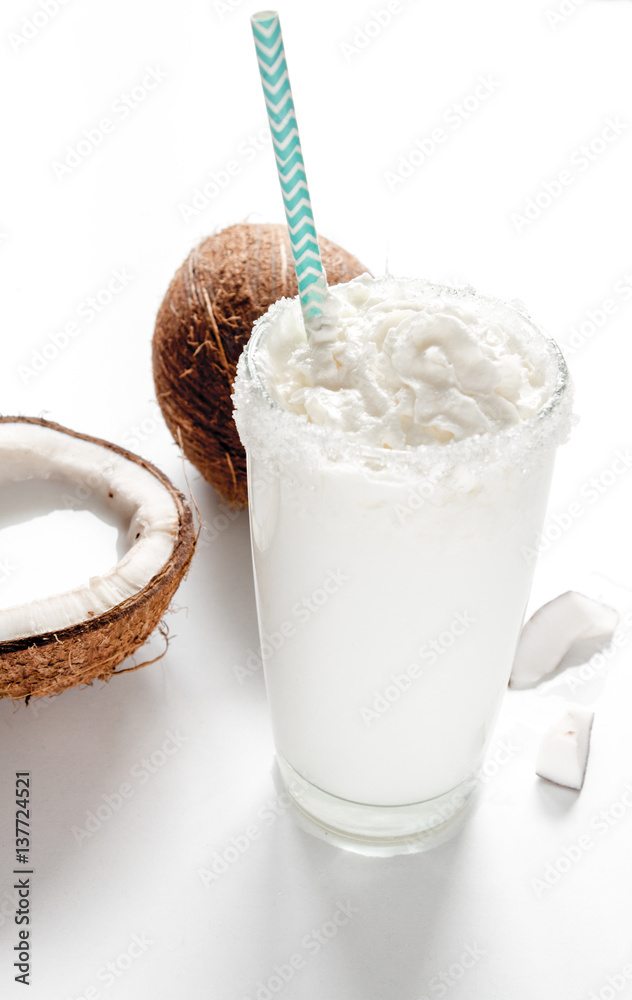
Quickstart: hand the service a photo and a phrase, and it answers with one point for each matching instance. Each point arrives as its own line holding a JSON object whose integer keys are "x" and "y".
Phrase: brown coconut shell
{"x": 206, "y": 317}
{"x": 46, "y": 664}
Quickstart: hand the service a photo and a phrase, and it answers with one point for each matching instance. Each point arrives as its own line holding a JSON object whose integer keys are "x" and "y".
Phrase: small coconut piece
{"x": 563, "y": 752}
{"x": 226, "y": 283}
{"x": 57, "y": 642}
{"x": 570, "y": 621}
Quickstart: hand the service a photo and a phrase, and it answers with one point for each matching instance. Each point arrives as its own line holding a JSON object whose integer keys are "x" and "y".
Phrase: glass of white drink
{"x": 397, "y": 472}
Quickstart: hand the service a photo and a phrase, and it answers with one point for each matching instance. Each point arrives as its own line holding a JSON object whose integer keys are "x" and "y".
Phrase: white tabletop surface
{"x": 139, "y": 786}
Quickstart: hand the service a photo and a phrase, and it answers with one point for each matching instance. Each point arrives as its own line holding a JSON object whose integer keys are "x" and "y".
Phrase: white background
{"x": 362, "y": 101}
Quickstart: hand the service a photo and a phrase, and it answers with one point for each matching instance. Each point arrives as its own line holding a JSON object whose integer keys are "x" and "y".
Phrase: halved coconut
{"x": 83, "y": 634}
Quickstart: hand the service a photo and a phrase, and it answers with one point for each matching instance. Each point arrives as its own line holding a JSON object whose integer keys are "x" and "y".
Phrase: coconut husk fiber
{"x": 227, "y": 282}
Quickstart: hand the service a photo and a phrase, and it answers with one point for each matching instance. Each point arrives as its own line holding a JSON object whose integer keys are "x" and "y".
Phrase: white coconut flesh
{"x": 570, "y": 621}
{"x": 136, "y": 499}
{"x": 46, "y": 549}
{"x": 563, "y": 751}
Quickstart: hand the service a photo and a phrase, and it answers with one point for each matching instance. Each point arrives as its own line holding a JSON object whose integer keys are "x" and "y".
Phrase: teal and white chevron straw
{"x": 310, "y": 274}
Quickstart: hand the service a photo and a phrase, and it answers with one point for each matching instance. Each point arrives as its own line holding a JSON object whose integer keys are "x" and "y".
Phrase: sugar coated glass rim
{"x": 264, "y": 424}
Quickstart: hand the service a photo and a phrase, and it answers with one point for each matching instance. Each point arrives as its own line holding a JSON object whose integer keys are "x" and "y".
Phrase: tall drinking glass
{"x": 391, "y": 587}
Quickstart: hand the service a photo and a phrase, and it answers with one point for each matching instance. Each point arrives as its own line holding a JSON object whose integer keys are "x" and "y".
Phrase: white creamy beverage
{"x": 399, "y": 467}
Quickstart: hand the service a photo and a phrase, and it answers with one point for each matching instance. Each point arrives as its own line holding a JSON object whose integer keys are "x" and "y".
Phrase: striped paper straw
{"x": 310, "y": 274}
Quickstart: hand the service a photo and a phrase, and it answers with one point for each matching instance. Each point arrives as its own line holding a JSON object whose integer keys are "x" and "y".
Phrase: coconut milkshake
{"x": 397, "y": 466}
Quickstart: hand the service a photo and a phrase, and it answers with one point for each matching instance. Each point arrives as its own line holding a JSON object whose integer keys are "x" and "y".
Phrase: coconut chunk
{"x": 563, "y": 752}
{"x": 567, "y": 623}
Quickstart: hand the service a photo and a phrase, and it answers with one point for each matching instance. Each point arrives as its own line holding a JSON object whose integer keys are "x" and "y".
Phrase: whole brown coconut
{"x": 205, "y": 320}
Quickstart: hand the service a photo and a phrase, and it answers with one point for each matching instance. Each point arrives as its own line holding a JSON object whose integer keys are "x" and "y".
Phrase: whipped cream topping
{"x": 402, "y": 363}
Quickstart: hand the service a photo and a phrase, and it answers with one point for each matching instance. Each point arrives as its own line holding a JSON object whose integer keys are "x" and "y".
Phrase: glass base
{"x": 379, "y": 831}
